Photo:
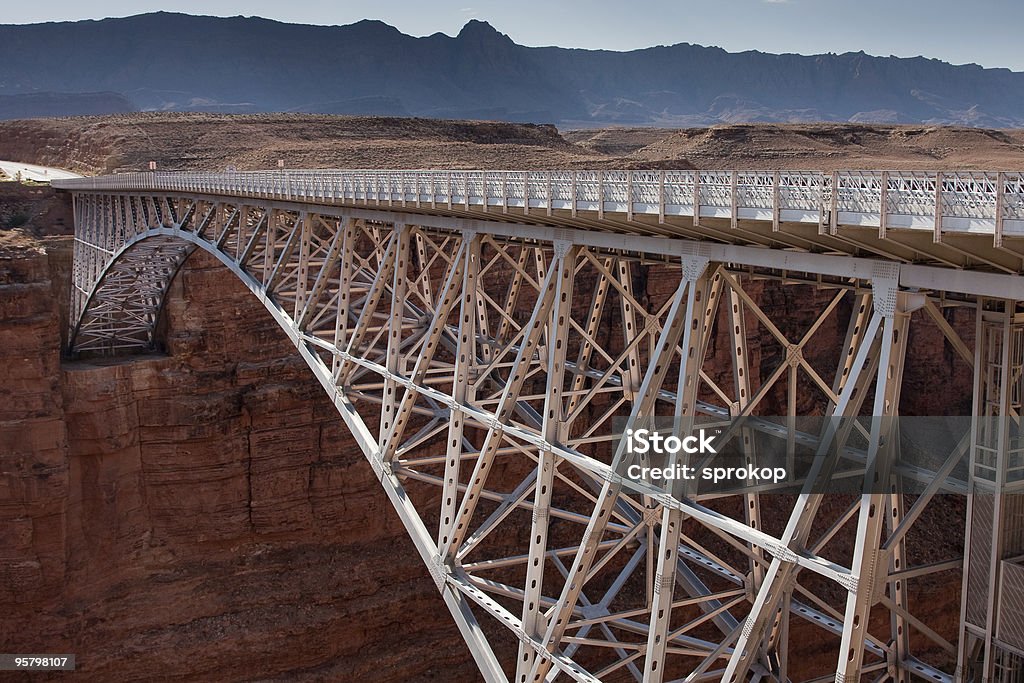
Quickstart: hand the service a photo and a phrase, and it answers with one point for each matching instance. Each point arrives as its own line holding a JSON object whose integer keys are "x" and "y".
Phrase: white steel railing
{"x": 958, "y": 202}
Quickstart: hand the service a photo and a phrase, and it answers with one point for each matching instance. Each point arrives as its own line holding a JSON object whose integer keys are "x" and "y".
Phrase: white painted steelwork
{"x": 965, "y": 202}
{"x": 479, "y": 332}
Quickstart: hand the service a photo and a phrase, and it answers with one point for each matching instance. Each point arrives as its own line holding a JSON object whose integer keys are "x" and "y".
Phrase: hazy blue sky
{"x": 985, "y": 32}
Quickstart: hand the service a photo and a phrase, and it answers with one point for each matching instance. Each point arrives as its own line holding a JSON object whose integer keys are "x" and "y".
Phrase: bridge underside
{"x": 486, "y": 369}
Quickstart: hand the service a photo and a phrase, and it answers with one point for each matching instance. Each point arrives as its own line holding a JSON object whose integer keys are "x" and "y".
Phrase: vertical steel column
{"x": 631, "y": 375}
{"x": 396, "y": 316}
{"x": 305, "y": 254}
{"x": 998, "y": 358}
{"x": 463, "y": 386}
{"x": 345, "y": 278}
{"x": 895, "y": 308}
{"x": 554, "y": 429}
{"x": 700, "y": 315}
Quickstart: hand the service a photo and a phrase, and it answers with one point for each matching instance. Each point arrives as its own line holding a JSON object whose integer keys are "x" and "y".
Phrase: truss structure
{"x": 486, "y": 360}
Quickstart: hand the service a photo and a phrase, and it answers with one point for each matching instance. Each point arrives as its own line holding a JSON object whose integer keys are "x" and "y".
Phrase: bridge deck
{"x": 959, "y": 220}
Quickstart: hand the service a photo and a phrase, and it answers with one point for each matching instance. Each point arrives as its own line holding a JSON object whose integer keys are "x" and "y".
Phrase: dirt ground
{"x": 212, "y": 142}
{"x": 824, "y": 146}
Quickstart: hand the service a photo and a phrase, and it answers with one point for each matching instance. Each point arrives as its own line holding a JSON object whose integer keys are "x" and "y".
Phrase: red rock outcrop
{"x": 36, "y": 209}
{"x": 33, "y": 433}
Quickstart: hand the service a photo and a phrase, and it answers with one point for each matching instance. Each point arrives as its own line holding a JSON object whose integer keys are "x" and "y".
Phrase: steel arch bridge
{"x": 485, "y": 336}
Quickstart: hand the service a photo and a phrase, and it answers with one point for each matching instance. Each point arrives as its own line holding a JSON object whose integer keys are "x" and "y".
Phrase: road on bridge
{"x": 32, "y": 172}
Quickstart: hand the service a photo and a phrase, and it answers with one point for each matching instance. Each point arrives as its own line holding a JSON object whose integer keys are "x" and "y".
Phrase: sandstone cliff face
{"x": 35, "y": 209}
{"x": 33, "y": 434}
{"x": 202, "y": 515}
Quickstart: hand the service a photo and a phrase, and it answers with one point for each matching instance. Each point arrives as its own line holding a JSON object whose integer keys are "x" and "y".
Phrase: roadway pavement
{"x": 31, "y": 172}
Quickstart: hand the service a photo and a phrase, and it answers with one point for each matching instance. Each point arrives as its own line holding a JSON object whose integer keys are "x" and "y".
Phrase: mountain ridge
{"x": 168, "y": 61}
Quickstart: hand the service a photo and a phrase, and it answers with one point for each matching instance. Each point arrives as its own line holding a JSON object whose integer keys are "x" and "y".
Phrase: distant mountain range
{"x": 179, "y": 62}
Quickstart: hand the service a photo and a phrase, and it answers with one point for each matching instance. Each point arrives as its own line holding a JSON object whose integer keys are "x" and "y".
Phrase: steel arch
{"x": 455, "y": 352}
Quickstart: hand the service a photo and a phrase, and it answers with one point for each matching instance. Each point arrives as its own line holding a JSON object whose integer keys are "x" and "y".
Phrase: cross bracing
{"x": 486, "y": 335}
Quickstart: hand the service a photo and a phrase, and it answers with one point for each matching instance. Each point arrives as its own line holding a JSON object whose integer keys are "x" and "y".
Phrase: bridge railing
{"x": 961, "y": 201}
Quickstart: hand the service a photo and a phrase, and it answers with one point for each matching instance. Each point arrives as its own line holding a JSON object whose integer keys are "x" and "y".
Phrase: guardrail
{"x": 960, "y": 202}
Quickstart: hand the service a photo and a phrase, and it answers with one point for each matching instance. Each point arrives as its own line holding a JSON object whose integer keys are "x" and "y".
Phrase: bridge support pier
{"x": 992, "y": 634}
